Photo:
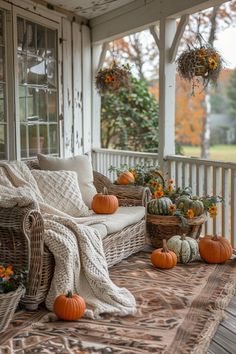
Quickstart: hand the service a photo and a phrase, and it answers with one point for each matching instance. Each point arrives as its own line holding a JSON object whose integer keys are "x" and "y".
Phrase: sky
{"x": 226, "y": 45}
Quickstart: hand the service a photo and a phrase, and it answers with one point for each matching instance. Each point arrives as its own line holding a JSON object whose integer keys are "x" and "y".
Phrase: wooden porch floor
{"x": 224, "y": 341}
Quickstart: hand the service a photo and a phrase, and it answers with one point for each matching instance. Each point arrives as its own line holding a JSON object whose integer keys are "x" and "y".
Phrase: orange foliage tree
{"x": 189, "y": 114}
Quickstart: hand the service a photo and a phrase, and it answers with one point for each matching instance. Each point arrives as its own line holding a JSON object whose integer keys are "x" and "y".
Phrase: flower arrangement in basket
{"x": 113, "y": 78}
{"x": 175, "y": 211}
{"x": 11, "y": 291}
{"x": 200, "y": 63}
{"x": 146, "y": 175}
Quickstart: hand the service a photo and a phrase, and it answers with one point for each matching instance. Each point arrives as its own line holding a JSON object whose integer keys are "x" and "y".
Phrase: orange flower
{"x": 158, "y": 194}
{"x": 159, "y": 188}
{"x": 170, "y": 188}
{"x": 212, "y": 210}
{"x": 171, "y": 181}
{"x": 154, "y": 183}
{"x": 172, "y": 209}
{"x": 190, "y": 213}
{"x": 9, "y": 270}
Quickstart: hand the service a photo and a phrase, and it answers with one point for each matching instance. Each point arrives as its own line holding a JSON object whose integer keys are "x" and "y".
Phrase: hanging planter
{"x": 200, "y": 64}
{"x": 114, "y": 78}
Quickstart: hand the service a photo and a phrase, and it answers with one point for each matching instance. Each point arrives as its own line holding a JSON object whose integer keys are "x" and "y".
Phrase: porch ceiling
{"x": 89, "y": 8}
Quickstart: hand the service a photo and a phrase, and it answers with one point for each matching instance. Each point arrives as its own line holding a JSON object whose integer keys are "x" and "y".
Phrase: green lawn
{"x": 217, "y": 152}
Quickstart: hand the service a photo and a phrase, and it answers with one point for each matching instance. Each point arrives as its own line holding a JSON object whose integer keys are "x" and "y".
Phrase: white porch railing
{"x": 104, "y": 158}
{"x": 205, "y": 177}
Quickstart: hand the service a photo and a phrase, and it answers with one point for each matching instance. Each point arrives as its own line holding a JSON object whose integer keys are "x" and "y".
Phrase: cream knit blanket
{"x": 80, "y": 263}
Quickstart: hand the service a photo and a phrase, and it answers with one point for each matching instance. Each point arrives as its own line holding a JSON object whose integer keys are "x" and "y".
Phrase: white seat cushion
{"x": 124, "y": 216}
{"x": 81, "y": 164}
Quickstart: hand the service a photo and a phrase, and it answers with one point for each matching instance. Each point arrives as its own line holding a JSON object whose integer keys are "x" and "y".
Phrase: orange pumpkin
{"x": 69, "y": 307}
{"x": 125, "y": 178}
{"x": 104, "y": 203}
{"x": 215, "y": 249}
{"x": 163, "y": 258}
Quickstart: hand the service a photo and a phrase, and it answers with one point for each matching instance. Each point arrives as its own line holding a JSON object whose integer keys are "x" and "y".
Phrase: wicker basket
{"x": 164, "y": 227}
{"x": 8, "y": 305}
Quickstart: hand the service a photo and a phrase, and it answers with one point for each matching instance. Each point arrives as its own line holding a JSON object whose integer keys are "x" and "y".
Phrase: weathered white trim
{"x": 178, "y": 35}
{"x": 67, "y": 88}
{"x": 87, "y": 87}
{"x": 155, "y": 34}
{"x": 77, "y": 87}
{"x": 141, "y": 14}
{"x": 38, "y": 9}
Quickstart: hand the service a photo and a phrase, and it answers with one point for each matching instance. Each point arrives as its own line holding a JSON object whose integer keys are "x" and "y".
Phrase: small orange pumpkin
{"x": 163, "y": 258}
{"x": 215, "y": 249}
{"x": 125, "y": 178}
{"x": 69, "y": 307}
{"x": 104, "y": 203}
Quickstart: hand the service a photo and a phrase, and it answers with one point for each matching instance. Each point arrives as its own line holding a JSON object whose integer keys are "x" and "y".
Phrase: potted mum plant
{"x": 11, "y": 291}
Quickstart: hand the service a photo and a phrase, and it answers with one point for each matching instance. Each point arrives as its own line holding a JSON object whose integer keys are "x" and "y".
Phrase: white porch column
{"x": 166, "y": 91}
{"x": 98, "y": 57}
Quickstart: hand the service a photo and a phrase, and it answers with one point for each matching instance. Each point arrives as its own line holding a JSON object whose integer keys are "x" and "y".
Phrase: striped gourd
{"x": 184, "y": 203}
{"x": 185, "y": 248}
{"x": 159, "y": 206}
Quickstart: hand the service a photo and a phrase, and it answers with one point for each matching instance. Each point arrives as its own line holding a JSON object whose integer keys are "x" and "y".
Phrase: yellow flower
{"x": 158, "y": 194}
{"x": 212, "y": 63}
{"x": 172, "y": 209}
{"x": 212, "y": 210}
{"x": 190, "y": 213}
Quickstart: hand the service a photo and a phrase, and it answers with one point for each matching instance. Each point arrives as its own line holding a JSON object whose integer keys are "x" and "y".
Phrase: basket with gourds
{"x": 177, "y": 212}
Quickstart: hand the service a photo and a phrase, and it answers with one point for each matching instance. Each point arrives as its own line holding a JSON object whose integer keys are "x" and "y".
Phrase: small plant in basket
{"x": 113, "y": 78}
{"x": 200, "y": 63}
{"x": 10, "y": 279}
{"x": 11, "y": 291}
{"x": 146, "y": 175}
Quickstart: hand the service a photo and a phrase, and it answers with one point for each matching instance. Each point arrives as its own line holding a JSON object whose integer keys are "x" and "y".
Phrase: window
{"x": 29, "y": 95}
{"x": 37, "y": 88}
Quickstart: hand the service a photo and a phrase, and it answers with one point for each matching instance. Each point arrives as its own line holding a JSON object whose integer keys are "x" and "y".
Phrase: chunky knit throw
{"x": 80, "y": 263}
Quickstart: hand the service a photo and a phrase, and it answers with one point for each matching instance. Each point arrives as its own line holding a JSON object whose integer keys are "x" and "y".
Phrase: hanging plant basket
{"x": 200, "y": 64}
{"x": 114, "y": 78}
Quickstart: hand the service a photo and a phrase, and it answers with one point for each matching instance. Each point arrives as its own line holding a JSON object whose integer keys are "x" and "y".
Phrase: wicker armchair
{"x": 22, "y": 240}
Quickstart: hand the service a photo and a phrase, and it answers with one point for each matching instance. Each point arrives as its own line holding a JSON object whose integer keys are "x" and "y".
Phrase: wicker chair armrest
{"x": 127, "y": 195}
{"x": 22, "y": 242}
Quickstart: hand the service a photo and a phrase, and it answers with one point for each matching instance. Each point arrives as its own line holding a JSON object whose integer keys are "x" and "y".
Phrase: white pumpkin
{"x": 185, "y": 248}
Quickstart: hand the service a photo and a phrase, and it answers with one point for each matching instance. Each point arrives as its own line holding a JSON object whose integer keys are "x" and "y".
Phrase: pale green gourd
{"x": 185, "y": 248}
{"x": 184, "y": 203}
{"x": 159, "y": 206}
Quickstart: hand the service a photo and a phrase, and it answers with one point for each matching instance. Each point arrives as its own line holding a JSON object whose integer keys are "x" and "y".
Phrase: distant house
{"x": 223, "y": 129}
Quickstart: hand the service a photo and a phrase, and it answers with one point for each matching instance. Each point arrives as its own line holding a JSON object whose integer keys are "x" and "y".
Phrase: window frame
{"x": 18, "y": 12}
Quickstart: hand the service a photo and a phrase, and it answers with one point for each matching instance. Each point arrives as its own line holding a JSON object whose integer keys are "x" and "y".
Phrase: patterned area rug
{"x": 178, "y": 312}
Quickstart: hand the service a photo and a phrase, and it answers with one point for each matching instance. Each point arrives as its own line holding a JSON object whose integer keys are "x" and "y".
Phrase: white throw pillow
{"x": 60, "y": 190}
{"x": 81, "y": 164}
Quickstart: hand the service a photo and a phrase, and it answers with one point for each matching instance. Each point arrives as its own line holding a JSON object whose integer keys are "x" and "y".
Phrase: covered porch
{"x": 57, "y": 113}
